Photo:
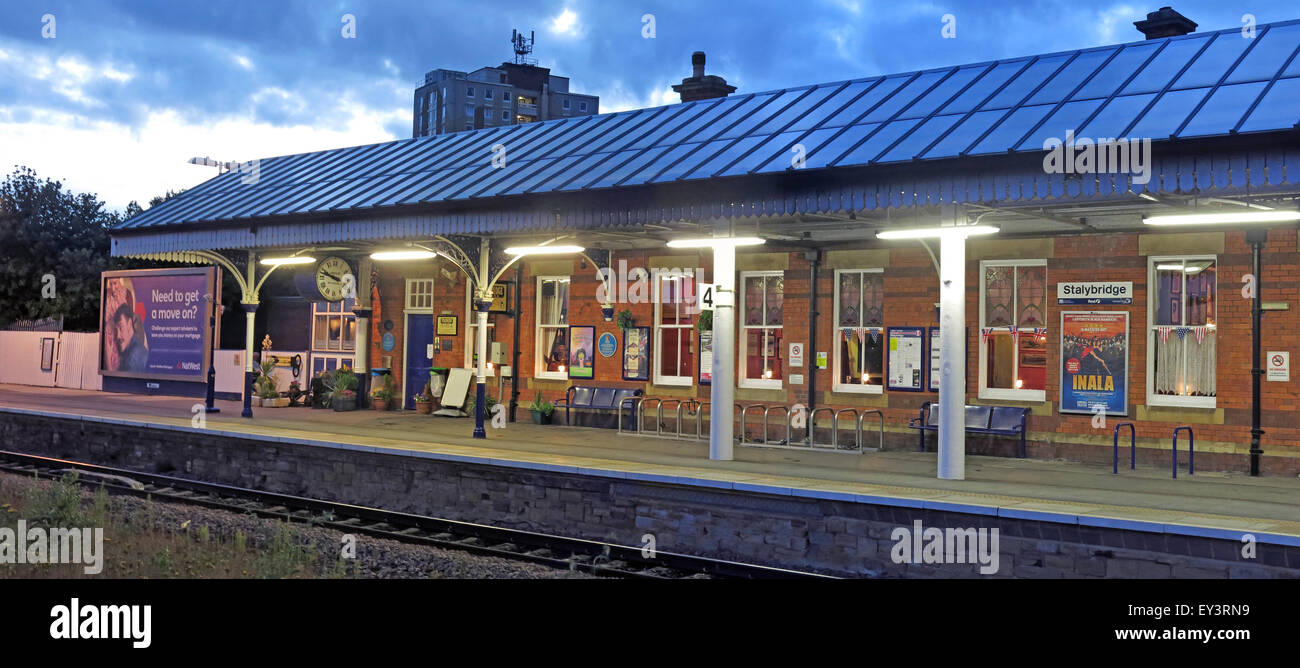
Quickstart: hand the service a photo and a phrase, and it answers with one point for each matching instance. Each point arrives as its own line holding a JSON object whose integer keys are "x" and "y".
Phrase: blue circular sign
{"x": 607, "y": 344}
{"x": 388, "y": 342}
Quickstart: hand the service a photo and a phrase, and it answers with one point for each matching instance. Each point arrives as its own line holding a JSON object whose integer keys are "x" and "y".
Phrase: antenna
{"x": 523, "y": 47}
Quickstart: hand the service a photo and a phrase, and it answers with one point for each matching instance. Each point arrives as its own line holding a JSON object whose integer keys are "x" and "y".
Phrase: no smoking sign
{"x": 1279, "y": 366}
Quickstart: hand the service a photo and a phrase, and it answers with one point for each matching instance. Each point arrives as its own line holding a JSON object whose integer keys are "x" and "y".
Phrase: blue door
{"x": 419, "y": 338}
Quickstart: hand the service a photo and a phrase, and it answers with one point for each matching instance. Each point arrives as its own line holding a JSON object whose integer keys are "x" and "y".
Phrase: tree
{"x": 53, "y": 245}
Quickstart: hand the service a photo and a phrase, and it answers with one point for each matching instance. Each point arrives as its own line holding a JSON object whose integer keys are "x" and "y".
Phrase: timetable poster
{"x": 906, "y": 359}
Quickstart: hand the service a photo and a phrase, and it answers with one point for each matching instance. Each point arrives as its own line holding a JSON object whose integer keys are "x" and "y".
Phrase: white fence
{"x": 75, "y": 359}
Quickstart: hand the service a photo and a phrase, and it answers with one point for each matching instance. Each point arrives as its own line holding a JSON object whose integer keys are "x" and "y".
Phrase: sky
{"x": 114, "y": 97}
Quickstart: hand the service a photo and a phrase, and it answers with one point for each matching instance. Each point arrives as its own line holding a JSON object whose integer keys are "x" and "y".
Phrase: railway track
{"x": 594, "y": 557}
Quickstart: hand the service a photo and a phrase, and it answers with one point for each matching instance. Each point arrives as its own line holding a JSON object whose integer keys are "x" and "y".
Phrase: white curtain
{"x": 1199, "y": 370}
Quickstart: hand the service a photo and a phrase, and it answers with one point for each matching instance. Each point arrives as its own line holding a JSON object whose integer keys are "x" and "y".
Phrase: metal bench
{"x": 610, "y": 401}
{"x": 989, "y": 420}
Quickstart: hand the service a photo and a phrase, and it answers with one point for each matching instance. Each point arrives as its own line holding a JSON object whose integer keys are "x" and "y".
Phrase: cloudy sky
{"x": 114, "y": 96}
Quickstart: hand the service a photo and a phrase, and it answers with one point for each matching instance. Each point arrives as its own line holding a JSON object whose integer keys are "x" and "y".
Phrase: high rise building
{"x": 518, "y": 92}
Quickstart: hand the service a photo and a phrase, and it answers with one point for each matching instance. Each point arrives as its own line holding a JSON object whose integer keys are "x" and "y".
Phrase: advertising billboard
{"x": 1094, "y": 362}
{"x": 154, "y": 323}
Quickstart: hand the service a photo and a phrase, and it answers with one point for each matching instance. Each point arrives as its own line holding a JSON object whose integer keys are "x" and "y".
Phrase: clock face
{"x": 334, "y": 279}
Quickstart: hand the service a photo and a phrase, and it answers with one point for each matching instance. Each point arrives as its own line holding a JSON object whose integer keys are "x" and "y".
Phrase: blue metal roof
{"x": 1191, "y": 86}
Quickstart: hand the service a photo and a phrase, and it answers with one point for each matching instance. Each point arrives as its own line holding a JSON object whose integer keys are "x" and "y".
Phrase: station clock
{"x": 334, "y": 279}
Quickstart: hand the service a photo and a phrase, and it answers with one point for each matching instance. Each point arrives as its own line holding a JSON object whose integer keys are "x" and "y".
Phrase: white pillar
{"x": 952, "y": 356}
{"x": 723, "y": 394}
{"x": 484, "y": 293}
{"x": 249, "y": 316}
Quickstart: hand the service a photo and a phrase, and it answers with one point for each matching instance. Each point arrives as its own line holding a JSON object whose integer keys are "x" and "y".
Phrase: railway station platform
{"x": 1216, "y": 506}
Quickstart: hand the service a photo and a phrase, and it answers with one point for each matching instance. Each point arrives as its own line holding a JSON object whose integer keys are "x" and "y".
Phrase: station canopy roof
{"x": 1195, "y": 86}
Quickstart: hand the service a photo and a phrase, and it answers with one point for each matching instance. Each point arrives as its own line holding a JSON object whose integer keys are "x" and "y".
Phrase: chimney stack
{"x": 701, "y": 86}
{"x": 1165, "y": 22}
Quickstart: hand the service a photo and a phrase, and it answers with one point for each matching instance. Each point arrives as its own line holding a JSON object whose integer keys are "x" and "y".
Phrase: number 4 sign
{"x": 705, "y": 297}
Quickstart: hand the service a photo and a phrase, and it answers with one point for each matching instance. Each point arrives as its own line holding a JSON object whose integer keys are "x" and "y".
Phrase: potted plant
{"x": 296, "y": 394}
{"x": 705, "y": 321}
{"x": 343, "y": 397}
{"x": 265, "y": 388}
{"x": 381, "y": 396}
{"x": 541, "y": 410}
{"x": 487, "y": 406}
{"x": 625, "y": 319}
{"x": 424, "y": 401}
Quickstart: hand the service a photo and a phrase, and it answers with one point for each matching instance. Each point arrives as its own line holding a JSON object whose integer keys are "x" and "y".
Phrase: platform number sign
{"x": 705, "y": 297}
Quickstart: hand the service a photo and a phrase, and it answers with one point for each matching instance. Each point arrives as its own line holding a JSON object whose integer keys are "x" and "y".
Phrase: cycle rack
{"x": 700, "y": 412}
{"x": 812, "y": 423}
{"x": 862, "y": 416}
{"x": 635, "y": 410}
{"x": 640, "y": 417}
{"x": 767, "y": 411}
{"x": 1191, "y": 450}
{"x": 1132, "y": 447}
{"x": 659, "y": 416}
{"x": 743, "y": 412}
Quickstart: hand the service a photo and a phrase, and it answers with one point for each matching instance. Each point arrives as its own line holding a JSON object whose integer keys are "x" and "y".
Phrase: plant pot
{"x": 379, "y": 404}
{"x": 424, "y": 407}
{"x": 607, "y": 313}
{"x": 540, "y": 417}
{"x": 340, "y": 404}
{"x": 282, "y": 402}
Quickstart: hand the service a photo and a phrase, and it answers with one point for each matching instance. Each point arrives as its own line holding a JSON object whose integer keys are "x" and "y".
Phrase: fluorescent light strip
{"x": 292, "y": 259}
{"x": 709, "y": 242}
{"x": 933, "y": 232}
{"x": 544, "y": 250}
{"x": 403, "y": 255}
{"x": 1212, "y": 218}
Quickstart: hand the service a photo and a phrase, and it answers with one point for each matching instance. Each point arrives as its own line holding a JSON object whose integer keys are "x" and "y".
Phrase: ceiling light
{"x": 1271, "y": 216}
{"x": 543, "y": 250}
{"x": 931, "y": 232}
{"x": 292, "y": 259}
{"x": 403, "y": 255}
{"x": 708, "y": 242}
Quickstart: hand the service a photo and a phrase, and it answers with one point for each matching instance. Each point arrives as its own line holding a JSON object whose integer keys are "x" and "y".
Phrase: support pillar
{"x": 952, "y": 356}
{"x": 482, "y": 302}
{"x": 723, "y": 390}
{"x": 250, "y": 313}
{"x": 362, "y": 309}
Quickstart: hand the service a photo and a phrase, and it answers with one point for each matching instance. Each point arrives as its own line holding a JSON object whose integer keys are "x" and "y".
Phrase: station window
{"x": 334, "y": 328}
{"x": 419, "y": 294}
{"x": 1182, "y": 337}
{"x": 1013, "y": 330}
{"x": 859, "y": 326}
{"x": 675, "y": 311}
{"x": 762, "y": 298}
{"x": 552, "y": 326}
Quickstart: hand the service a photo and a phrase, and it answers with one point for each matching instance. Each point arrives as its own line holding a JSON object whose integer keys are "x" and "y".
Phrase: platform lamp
{"x": 209, "y": 405}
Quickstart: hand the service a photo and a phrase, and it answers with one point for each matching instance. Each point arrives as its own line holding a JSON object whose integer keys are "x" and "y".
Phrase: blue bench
{"x": 991, "y": 420}
{"x": 597, "y": 402}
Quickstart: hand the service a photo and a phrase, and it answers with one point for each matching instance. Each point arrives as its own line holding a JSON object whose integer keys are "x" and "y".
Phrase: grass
{"x": 144, "y": 540}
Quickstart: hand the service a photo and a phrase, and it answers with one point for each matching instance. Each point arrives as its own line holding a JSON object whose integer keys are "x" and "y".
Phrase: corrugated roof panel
{"x": 1166, "y": 65}
{"x": 1118, "y": 71}
{"x": 1277, "y": 109}
{"x": 1275, "y": 46}
{"x": 1167, "y": 114}
{"x": 873, "y": 97}
{"x": 1117, "y": 114}
{"x": 1224, "y": 109}
{"x": 1026, "y": 82}
{"x": 981, "y": 108}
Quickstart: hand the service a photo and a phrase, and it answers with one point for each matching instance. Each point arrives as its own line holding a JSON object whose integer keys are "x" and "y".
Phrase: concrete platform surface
{"x": 1215, "y": 505}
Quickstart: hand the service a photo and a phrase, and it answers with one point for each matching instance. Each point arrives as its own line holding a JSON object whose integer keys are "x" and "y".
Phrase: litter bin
{"x": 437, "y": 381}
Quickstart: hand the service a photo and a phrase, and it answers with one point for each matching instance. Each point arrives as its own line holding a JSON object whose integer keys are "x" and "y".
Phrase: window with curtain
{"x": 552, "y": 326}
{"x": 1013, "y": 330}
{"x": 859, "y": 327}
{"x": 762, "y": 297}
{"x": 675, "y": 313}
{"x": 1183, "y": 304}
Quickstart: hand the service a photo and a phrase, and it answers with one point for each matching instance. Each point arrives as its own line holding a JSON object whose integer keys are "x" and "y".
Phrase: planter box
{"x": 540, "y": 417}
{"x": 344, "y": 404}
{"x": 424, "y": 407}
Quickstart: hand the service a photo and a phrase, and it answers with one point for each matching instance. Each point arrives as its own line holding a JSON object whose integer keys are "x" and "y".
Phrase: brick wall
{"x": 911, "y": 289}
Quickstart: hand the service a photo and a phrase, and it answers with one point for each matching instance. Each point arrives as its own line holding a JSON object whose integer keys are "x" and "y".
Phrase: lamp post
{"x": 210, "y": 401}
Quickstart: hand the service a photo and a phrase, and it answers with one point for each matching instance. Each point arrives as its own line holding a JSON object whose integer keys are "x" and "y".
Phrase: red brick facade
{"x": 911, "y": 290}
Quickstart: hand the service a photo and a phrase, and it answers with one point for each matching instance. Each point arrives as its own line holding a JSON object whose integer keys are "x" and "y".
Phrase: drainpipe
{"x": 813, "y": 256}
{"x": 1256, "y": 239}
{"x": 514, "y": 352}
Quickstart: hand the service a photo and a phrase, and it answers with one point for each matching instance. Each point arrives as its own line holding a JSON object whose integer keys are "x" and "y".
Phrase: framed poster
{"x": 500, "y": 297}
{"x": 155, "y": 323}
{"x": 636, "y": 353}
{"x": 47, "y": 354}
{"x": 935, "y": 347}
{"x": 706, "y": 357}
{"x": 905, "y": 359}
{"x": 448, "y": 325}
{"x": 1094, "y": 362}
{"x": 582, "y": 352}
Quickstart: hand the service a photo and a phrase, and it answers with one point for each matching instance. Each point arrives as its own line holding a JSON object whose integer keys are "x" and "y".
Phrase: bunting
{"x": 1164, "y": 334}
